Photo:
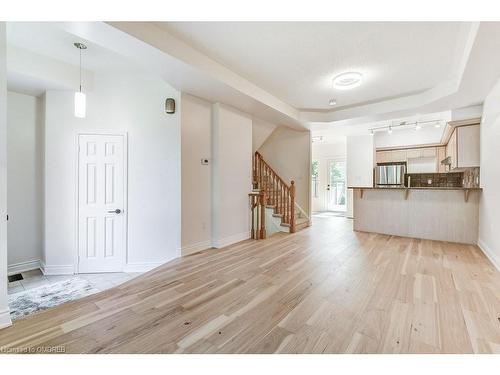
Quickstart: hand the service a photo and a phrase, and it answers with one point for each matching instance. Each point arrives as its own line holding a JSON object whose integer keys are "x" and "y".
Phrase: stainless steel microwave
{"x": 390, "y": 174}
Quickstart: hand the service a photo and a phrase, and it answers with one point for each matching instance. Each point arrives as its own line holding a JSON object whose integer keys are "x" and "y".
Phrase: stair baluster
{"x": 273, "y": 192}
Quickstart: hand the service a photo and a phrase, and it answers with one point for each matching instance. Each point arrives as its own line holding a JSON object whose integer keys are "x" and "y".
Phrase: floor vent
{"x": 15, "y": 277}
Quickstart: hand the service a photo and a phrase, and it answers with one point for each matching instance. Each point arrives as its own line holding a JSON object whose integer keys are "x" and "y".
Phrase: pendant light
{"x": 80, "y": 98}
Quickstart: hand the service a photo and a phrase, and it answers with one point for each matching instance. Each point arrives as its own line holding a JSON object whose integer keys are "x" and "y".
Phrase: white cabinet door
{"x": 429, "y": 152}
{"x": 441, "y": 155}
{"x": 451, "y": 149}
{"x": 398, "y": 155}
{"x": 101, "y": 203}
{"x": 383, "y": 156}
{"x": 468, "y": 146}
{"x": 414, "y": 153}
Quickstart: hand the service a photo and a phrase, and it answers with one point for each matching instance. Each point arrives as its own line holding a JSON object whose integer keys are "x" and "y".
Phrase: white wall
{"x": 25, "y": 182}
{"x": 196, "y": 119}
{"x": 360, "y": 153}
{"x": 231, "y": 175}
{"x": 261, "y": 130}
{"x": 489, "y": 213}
{"x": 132, "y": 103}
{"x": 4, "y": 309}
{"x": 288, "y": 152}
{"x": 323, "y": 152}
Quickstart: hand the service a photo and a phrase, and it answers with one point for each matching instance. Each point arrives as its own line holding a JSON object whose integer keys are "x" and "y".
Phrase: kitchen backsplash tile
{"x": 471, "y": 178}
{"x": 435, "y": 179}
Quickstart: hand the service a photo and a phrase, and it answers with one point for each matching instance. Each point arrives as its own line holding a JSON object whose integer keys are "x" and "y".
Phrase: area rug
{"x": 44, "y": 297}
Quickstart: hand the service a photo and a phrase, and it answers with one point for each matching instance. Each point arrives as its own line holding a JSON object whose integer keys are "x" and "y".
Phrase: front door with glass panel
{"x": 336, "y": 193}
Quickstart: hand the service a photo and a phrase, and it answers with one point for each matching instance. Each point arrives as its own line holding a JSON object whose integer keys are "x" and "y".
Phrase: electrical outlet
{"x": 429, "y": 182}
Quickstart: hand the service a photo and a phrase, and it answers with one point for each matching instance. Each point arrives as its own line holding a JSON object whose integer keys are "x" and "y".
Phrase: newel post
{"x": 262, "y": 215}
{"x": 255, "y": 166}
{"x": 292, "y": 207}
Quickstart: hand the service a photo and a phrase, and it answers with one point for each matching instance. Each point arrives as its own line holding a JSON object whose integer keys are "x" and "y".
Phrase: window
{"x": 314, "y": 179}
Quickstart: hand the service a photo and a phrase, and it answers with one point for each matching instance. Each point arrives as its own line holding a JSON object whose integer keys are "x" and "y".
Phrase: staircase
{"x": 272, "y": 202}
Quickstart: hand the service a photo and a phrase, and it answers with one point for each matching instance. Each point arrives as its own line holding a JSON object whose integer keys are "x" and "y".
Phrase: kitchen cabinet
{"x": 391, "y": 156}
{"x": 383, "y": 156}
{"x": 429, "y": 152}
{"x": 414, "y": 153}
{"x": 463, "y": 147}
{"x": 451, "y": 149}
{"x": 398, "y": 155}
{"x": 441, "y": 154}
{"x": 468, "y": 146}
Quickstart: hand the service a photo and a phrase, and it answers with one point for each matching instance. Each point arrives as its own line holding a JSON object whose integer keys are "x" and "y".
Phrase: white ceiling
{"x": 411, "y": 69}
{"x": 48, "y": 39}
{"x": 296, "y": 61}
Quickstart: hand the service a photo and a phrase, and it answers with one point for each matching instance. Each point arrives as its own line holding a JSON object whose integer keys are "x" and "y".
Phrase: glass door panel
{"x": 336, "y": 190}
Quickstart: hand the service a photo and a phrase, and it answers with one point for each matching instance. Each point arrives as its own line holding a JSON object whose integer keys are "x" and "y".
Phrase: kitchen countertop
{"x": 413, "y": 188}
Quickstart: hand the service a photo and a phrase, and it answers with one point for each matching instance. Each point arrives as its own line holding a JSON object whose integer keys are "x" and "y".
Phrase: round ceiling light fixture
{"x": 347, "y": 81}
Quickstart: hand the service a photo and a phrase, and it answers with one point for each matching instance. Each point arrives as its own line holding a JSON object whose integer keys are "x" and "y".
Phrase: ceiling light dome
{"x": 346, "y": 81}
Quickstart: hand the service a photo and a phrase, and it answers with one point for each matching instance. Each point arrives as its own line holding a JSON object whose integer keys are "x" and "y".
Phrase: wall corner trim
{"x": 5, "y": 318}
{"x": 494, "y": 259}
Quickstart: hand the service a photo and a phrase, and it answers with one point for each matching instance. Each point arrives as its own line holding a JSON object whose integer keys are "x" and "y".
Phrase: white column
{"x": 360, "y": 161}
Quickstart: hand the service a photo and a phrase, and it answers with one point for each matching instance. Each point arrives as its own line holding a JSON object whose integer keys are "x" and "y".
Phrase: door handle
{"x": 117, "y": 211}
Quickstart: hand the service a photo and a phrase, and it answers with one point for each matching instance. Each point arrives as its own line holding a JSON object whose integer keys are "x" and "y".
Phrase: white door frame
{"x": 78, "y": 133}
{"x": 328, "y": 180}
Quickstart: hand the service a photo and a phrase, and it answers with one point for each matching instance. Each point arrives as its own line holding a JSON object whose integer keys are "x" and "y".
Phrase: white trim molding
{"x": 226, "y": 241}
{"x": 142, "y": 266}
{"x": 5, "y": 318}
{"x": 196, "y": 247}
{"x": 66, "y": 269}
{"x": 24, "y": 266}
{"x": 495, "y": 259}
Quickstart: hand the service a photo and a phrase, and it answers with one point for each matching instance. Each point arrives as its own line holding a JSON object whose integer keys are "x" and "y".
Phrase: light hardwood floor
{"x": 325, "y": 289}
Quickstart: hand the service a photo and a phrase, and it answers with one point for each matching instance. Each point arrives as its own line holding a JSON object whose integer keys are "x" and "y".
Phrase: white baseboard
{"x": 226, "y": 241}
{"x": 495, "y": 259}
{"x": 194, "y": 248}
{"x": 5, "y": 318}
{"x": 141, "y": 267}
{"x": 23, "y": 266}
{"x": 67, "y": 269}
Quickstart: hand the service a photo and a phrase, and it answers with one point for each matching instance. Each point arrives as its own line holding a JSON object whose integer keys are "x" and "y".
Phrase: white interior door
{"x": 101, "y": 203}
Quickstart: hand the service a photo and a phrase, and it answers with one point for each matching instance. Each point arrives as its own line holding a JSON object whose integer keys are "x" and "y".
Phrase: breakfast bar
{"x": 434, "y": 213}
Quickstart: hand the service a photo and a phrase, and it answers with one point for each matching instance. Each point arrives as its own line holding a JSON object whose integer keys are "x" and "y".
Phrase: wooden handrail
{"x": 277, "y": 192}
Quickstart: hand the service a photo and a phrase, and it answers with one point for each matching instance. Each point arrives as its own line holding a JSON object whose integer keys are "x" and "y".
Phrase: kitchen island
{"x": 435, "y": 213}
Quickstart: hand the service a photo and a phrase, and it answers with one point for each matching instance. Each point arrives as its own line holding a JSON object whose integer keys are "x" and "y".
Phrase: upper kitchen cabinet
{"x": 451, "y": 150}
{"x": 463, "y": 147}
{"x": 468, "y": 153}
{"x": 441, "y": 154}
{"x": 391, "y": 156}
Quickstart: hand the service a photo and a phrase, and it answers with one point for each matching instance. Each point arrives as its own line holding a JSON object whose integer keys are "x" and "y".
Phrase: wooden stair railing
{"x": 278, "y": 193}
{"x": 258, "y": 209}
